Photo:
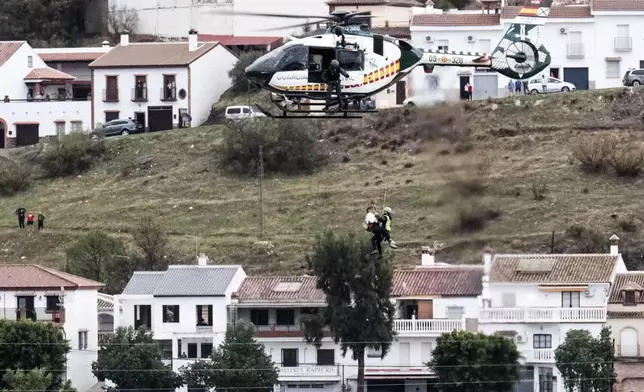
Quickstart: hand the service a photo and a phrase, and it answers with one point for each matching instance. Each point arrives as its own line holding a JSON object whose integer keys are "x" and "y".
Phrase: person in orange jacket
{"x": 30, "y": 218}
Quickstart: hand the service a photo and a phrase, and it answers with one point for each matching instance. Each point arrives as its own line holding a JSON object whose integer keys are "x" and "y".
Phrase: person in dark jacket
{"x": 21, "y": 212}
{"x": 41, "y": 221}
{"x": 331, "y": 76}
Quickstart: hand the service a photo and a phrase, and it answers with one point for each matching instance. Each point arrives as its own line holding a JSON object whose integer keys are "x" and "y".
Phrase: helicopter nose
{"x": 257, "y": 76}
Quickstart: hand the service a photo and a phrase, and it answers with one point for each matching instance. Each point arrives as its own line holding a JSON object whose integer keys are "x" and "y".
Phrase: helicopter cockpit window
{"x": 294, "y": 58}
{"x": 351, "y": 60}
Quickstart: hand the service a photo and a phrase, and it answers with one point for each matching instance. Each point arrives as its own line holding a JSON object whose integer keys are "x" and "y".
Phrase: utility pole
{"x": 261, "y": 193}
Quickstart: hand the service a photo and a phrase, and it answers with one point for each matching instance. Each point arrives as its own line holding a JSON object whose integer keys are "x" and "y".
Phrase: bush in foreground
{"x": 288, "y": 147}
{"x": 627, "y": 160}
{"x": 593, "y": 152}
{"x": 71, "y": 155}
{"x": 14, "y": 178}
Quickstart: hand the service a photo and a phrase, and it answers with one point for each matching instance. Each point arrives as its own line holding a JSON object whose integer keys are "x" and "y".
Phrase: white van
{"x": 242, "y": 112}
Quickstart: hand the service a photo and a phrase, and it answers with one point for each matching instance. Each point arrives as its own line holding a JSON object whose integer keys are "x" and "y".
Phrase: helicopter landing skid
{"x": 324, "y": 113}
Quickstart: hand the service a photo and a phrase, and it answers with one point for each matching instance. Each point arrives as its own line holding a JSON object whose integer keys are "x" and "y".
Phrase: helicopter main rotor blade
{"x": 290, "y": 16}
{"x": 292, "y": 26}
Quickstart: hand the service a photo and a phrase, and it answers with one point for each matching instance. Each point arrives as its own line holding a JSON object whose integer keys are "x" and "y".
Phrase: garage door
{"x": 159, "y": 118}
{"x": 26, "y": 134}
{"x": 577, "y": 76}
{"x": 485, "y": 86}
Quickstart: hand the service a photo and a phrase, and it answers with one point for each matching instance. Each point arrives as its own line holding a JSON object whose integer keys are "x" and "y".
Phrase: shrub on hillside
{"x": 14, "y": 178}
{"x": 288, "y": 147}
{"x": 240, "y": 83}
{"x": 627, "y": 160}
{"x": 71, "y": 155}
{"x": 593, "y": 152}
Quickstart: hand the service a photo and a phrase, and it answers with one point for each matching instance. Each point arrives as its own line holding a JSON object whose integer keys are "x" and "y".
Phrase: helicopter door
{"x": 319, "y": 60}
{"x": 351, "y": 61}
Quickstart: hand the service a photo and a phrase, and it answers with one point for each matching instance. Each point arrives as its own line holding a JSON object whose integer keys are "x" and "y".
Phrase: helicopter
{"x": 375, "y": 62}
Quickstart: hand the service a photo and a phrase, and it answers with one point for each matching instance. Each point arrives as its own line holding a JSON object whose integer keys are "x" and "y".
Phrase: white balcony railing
{"x": 542, "y": 355}
{"x": 428, "y": 326}
{"x": 543, "y": 315}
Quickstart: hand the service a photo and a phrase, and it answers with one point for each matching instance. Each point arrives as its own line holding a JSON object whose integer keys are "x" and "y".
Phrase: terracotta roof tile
{"x": 624, "y": 280}
{"x": 444, "y": 281}
{"x": 449, "y": 20}
{"x": 7, "y": 49}
{"x": 27, "y": 276}
{"x": 152, "y": 54}
{"x": 105, "y": 302}
{"x": 621, "y": 5}
{"x": 556, "y": 268}
{"x": 563, "y": 12}
{"x": 262, "y": 289}
{"x": 71, "y": 56}
{"x": 47, "y": 74}
{"x": 623, "y": 315}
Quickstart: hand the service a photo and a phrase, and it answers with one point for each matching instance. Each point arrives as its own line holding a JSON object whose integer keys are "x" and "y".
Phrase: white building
{"x": 105, "y": 306}
{"x": 592, "y": 46}
{"x": 185, "y": 307}
{"x": 162, "y": 85}
{"x": 67, "y": 301}
{"x": 430, "y": 300}
{"x": 35, "y": 99}
{"x": 536, "y": 299}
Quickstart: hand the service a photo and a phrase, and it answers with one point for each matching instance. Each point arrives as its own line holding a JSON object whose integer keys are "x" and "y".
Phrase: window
{"x": 111, "y": 89}
{"x": 204, "y": 315}
{"x": 629, "y": 298}
{"x": 373, "y": 352}
{"x": 206, "y": 350}
{"x": 111, "y": 115}
{"x": 82, "y": 340}
{"x": 443, "y": 44}
{"x": 192, "y": 350}
{"x": 455, "y": 312}
{"x": 294, "y": 58}
{"x": 612, "y": 69}
{"x": 289, "y": 357}
{"x": 170, "y": 313}
{"x": 165, "y": 348}
{"x": 77, "y": 126}
{"x": 570, "y": 299}
{"x": 140, "y": 91}
{"x": 60, "y": 129}
{"x": 541, "y": 341}
{"x": 259, "y": 316}
{"x": 143, "y": 316}
{"x": 326, "y": 357}
{"x": 546, "y": 379}
{"x": 350, "y": 60}
{"x": 285, "y": 317}
{"x": 30, "y": 62}
{"x": 169, "y": 89}
{"x": 628, "y": 346}
{"x": 52, "y": 303}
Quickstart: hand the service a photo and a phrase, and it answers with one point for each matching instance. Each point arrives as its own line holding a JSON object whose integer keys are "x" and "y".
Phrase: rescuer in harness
{"x": 331, "y": 76}
{"x": 385, "y": 220}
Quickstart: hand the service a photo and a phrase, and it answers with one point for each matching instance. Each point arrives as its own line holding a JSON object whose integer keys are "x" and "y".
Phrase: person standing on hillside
{"x": 30, "y": 218}
{"x": 21, "y": 217}
{"x": 41, "y": 220}
{"x": 517, "y": 86}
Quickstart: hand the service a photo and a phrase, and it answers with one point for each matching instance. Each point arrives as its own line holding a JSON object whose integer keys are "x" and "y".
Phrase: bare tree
{"x": 122, "y": 19}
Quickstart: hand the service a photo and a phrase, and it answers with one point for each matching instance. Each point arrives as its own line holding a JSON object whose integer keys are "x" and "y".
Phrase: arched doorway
{"x": 3, "y": 133}
{"x": 628, "y": 342}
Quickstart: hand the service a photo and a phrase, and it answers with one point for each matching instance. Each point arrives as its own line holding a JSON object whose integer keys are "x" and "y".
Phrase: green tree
{"x": 240, "y": 351}
{"x": 32, "y": 380}
{"x": 103, "y": 258}
{"x": 32, "y": 345}
{"x": 237, "y": 75}
{"x": 474, "y": 362}
{"x": 586, "y": 362}
{"x": 131, "y": 359}
{"x": 357, "y": 286}
{"x": 152, "y": 243}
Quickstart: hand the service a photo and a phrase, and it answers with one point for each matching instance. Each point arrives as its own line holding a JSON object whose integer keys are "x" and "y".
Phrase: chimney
{"x": 427, "y": 257}
{"x": 202, "y": 259}
{"x": 487, "y": 261}
{"x": 614, "y": 240}
{"x": 125, "y": 38}
{"x": 105, "y": 44}
{"x": 486, "y": 297}
{"x": 193, "y": 40}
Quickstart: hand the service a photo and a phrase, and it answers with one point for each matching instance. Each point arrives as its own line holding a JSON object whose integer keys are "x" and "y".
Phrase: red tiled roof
{"x": 7, "y": 49}
{"x": 261, "y": 289}
{"x": 632, "y": 279}
{"x": 444, "y": 281}
{"x": 449, "y": 20}
{"x": 152, "y": 54}
{"x": 28, "y": 276}
{"x": 396, "y": 32}
{"x": 554, "y": 268}
{"x": 231, "y": 40}
{"x": 625, "y": 315}
{"x": 621, "y": 5}
{"x": 71, "y": 56}
{"x": 48, "y": 74}
{"x": 563, "y": 12}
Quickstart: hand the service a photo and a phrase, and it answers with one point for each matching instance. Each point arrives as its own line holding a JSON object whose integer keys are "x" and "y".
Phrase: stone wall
{"x": 630, "y": 376}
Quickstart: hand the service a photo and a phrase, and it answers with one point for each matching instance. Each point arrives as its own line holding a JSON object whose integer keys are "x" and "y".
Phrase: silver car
{"x": 633, "y": 77}
{"x": 121, "y": 127}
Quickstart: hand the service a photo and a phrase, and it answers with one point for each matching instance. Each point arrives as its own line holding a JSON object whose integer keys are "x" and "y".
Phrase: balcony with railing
{"x": 623, "y": 44}
{"x": 415, "y": 327}
{"x": 104, "y": 336}
{"x": 575, "y": 51}
{"x": 139, "y": 94}
{"x": 541, "y": 355}
{"x": 111, "y": 95}
{"x": 168, "y": 94}
{"x": 543, "y": 315}
{"x": 35, "y": 314}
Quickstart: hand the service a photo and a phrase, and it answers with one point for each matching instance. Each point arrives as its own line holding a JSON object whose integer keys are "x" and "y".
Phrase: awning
{"x": 42, "y": 74}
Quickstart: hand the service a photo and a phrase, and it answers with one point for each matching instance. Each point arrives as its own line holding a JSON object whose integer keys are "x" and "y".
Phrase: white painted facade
{"x": 584, "y": 43}
{"x": 54, "y": 118}
{"x": 80, "y": 327}
{"x": 172, "y": 18}
{"x": 203, "y": 81}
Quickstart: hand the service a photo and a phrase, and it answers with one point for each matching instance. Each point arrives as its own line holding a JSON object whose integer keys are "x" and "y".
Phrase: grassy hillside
{"x": 490, "y": 159}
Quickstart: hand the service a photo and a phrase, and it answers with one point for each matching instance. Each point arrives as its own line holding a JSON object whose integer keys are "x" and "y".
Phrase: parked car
{"x": 121, "y": 127}
{"x": 554, "y": 86}
{"x": 633, "y": 77}
{"x": 242, "y": 112}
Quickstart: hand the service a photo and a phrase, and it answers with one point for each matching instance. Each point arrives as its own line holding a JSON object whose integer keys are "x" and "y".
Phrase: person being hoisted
{"x": 372, "y": 224}
{"x": 331, "y": 76}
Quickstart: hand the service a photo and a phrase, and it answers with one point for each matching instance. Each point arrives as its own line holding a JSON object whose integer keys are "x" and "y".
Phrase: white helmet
{"x": 387, "y": 210}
